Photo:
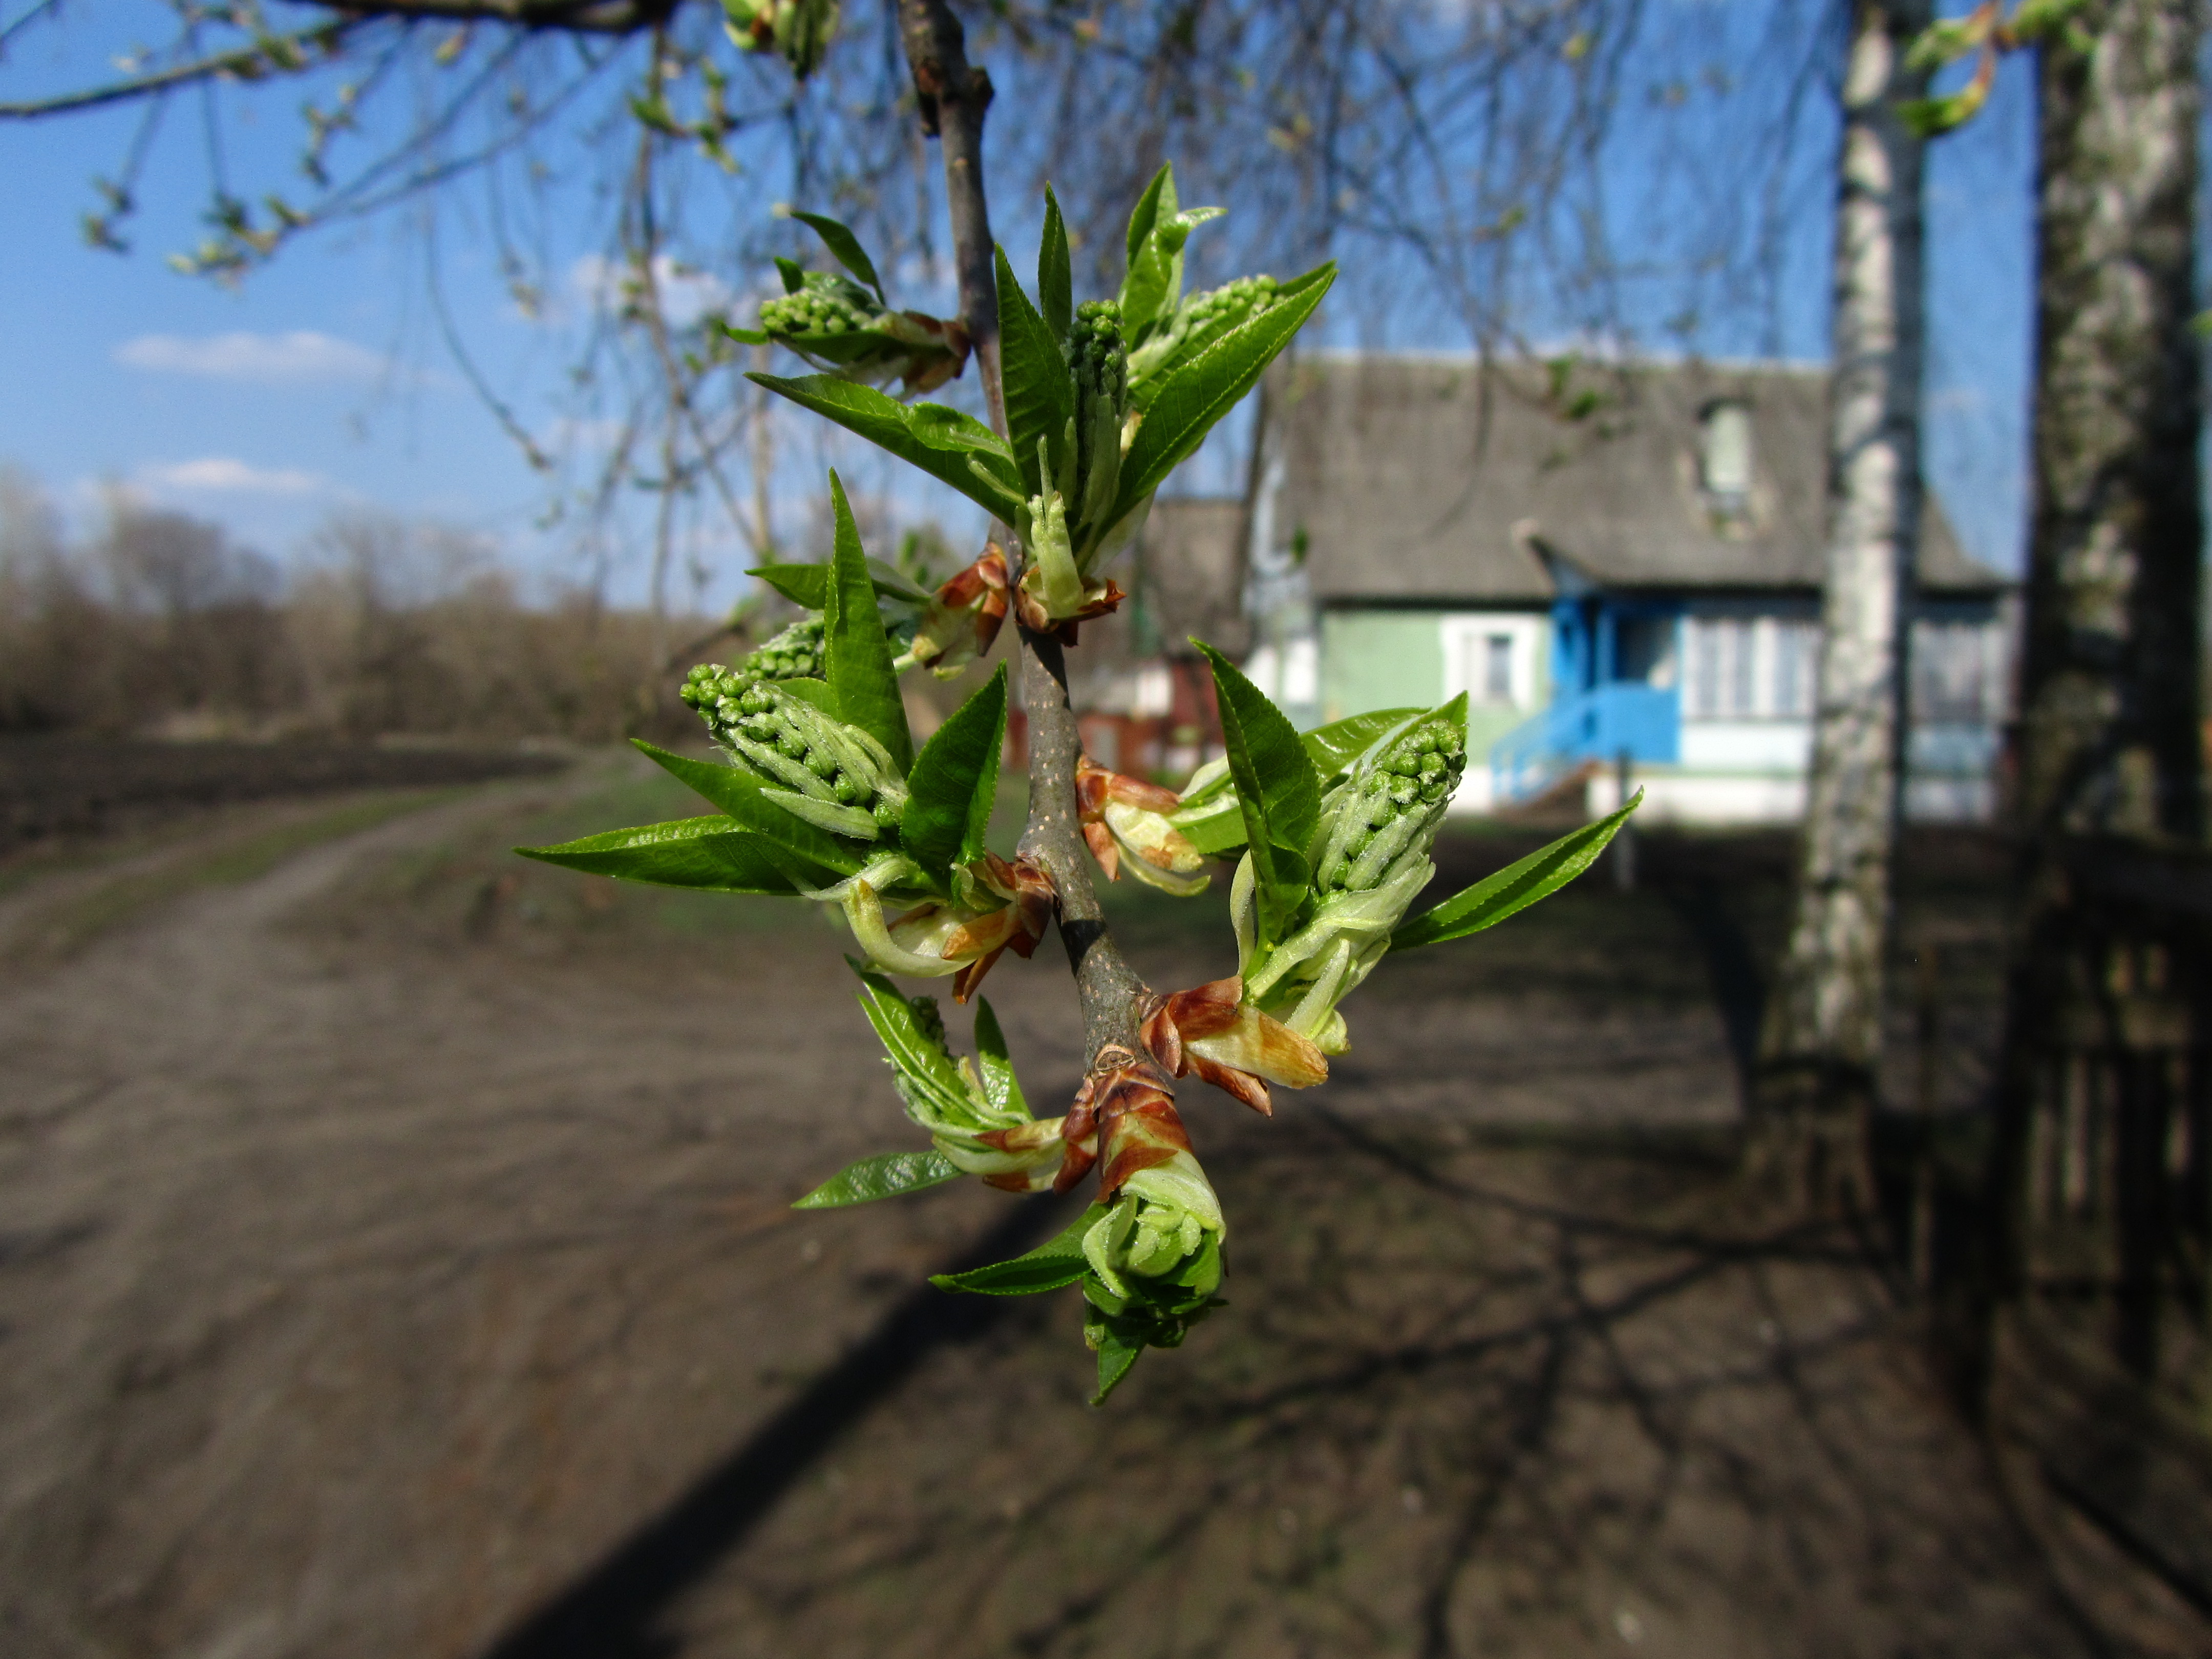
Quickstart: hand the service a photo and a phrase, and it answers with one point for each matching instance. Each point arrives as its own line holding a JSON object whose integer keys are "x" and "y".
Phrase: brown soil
{"x": 396, "y": 1260}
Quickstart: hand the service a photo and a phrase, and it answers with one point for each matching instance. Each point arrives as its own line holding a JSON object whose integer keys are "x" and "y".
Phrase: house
{"x": 1612, "y": 561}
{"x": 1143, "y": 696}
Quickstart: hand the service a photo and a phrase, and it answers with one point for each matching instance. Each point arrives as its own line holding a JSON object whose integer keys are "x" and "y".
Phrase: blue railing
{"x": 1599, "y": 724}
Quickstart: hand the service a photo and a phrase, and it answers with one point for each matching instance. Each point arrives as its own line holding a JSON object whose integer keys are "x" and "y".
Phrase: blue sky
{"x": 321, "y": 382}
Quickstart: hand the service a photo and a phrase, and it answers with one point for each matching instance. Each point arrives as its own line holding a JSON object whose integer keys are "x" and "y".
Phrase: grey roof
{"x": 1425, "y": 480}
{"x": 1191, "y": 570}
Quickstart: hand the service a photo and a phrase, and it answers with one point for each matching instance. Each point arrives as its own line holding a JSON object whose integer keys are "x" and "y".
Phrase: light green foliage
{"x": 826, "y": 797}
{"x": 800, "y": 30}
{"x": 840, "y": 322}
{"x": 948, "y": 1097}
{"x": 1314, "y": 914}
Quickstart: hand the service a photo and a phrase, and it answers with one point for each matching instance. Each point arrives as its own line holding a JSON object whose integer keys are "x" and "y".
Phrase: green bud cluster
{"x": 1099, "y": 359}
{"x": 1198, "y": 321}
{"x": 788, "y": 740}
{"x": 815, "y": 310}
{"x": 1232, "y": 303}
{"x": 796, "y": 654}
{"x": 1096, "y": 352}
{"x": 1392, "y": 803}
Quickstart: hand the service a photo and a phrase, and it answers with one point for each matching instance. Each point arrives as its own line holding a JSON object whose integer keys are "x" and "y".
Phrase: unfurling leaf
{"x": 859, "y": 654}
{"x": 1058, "y": 1261}
{"x": 953, "y": 781}
{"x": 712, "y": 854}
{"x": 741, "y": 796}
{"x": 953, "y": 448}
{"x": 1516, "y": 887}
{"x": 887, "y": 1174}
{"x": 1276, "y": 790}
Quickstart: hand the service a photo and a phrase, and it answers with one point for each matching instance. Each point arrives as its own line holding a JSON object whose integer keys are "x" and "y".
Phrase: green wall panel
{"x": 1379, "y": 659}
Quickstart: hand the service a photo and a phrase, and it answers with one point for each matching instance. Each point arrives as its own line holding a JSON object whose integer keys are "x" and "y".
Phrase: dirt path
{"x": 383, "y": 1270}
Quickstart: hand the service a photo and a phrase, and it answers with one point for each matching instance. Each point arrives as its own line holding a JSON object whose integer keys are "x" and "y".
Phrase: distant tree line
{"x": 159, "y": 623}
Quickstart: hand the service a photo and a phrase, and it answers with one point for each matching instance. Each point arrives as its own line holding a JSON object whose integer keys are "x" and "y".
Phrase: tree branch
{"x": 955, "y": 98}
{"x": 1106, "y": 985}
{"x": 569, "y": 16}
{"x": 253, "y": 63}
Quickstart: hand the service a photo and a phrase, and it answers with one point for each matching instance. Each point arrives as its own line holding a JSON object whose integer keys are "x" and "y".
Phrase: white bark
{"x": 1824, "y": 1023}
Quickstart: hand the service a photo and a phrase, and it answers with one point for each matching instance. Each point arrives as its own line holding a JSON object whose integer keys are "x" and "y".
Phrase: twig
{"x": 954, "y": 100}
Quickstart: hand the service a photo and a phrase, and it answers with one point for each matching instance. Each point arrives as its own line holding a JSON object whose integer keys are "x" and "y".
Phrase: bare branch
{"x": 568, "y": 16}
{"x": 285, "y": 54}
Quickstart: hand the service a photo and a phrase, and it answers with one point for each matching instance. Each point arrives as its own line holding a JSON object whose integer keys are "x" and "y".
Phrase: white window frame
{"x": 1466, "y": 639}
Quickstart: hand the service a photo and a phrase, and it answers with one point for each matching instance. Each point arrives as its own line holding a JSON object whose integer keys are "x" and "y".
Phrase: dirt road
{"x": 395, "y": 1259}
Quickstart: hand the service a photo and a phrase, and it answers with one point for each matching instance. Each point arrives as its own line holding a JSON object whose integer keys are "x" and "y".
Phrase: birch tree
{"x": 1822, "y": 1043}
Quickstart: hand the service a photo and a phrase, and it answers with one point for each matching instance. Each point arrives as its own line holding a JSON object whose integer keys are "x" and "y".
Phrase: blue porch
{"x": 1607, "y": 652}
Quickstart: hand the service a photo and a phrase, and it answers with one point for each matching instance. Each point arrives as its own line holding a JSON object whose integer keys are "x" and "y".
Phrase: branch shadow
{"x": 616, "y": 1608}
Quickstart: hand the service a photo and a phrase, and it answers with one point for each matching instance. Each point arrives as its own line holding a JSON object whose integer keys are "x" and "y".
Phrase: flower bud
{"x": 1199, "y": 320}
{"x": 835, "y": 776}
{"x": 1067, "y": 527}
{"x": 1122, "y": 814}
{"x": 842, "y": 329}
{"x": 1369, "y": 856}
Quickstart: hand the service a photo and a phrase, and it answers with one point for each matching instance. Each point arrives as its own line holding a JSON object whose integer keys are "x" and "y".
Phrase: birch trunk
{"x": 1822, "y": 1041}
{"x": 2107, "y": 743}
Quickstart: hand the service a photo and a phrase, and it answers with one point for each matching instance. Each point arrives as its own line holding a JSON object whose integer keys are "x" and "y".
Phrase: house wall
{"x": 1397, "y": 659}
{"x": 1746, "y": 671}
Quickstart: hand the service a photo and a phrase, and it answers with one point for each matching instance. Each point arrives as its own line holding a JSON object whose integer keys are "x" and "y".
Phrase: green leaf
{"x": 845, "y": 247}
{"x": 1336, "y": 745}
{"x": 916, "y": 1054}
{"x": 953, "y": 448}
{"x": 1000, "y": 1086}
{"x": 815, "y": 694}
{"x": 1117, "y": 1357}
{"x": 1516, "y": 887}
{"x": 712, "y": 854}
{"x": 856, "y": 652}
{"x": 793, "y": 274}
{"x": 1147, "y": 213}
{"x": 808, "y": 585}
{"x": 1217, "y": 827}
{"x": 1144, "y": 281}
{"x": 1040, "y": 391}
{"x": 1276, "y": 790}
{"x": 743, "y": 336}
{"x": 1056, "y": 1262}
{"x": 740, "y": 794}
{"x": 1056, "y": 280}
{"x": 951, "y": 784}
{"x": 1199, "y": 393}
{"x": 885, "y": 1175}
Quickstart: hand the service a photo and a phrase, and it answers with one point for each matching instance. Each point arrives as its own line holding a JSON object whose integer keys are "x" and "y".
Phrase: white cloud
{"x": 686, "y": 292}
{"x": 301, "y": 355}
{"x": 228, "y": 473}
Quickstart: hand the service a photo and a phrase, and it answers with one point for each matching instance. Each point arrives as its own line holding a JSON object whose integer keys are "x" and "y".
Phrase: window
{"x": 1498, "y": 668}
{"x": 1797, "y": 654}
{"x": 1950, "y": 672}
{"x": 1493, "y": 657}
{"x": 1749, "y": 667}
{"x": 1725, "y": 458}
